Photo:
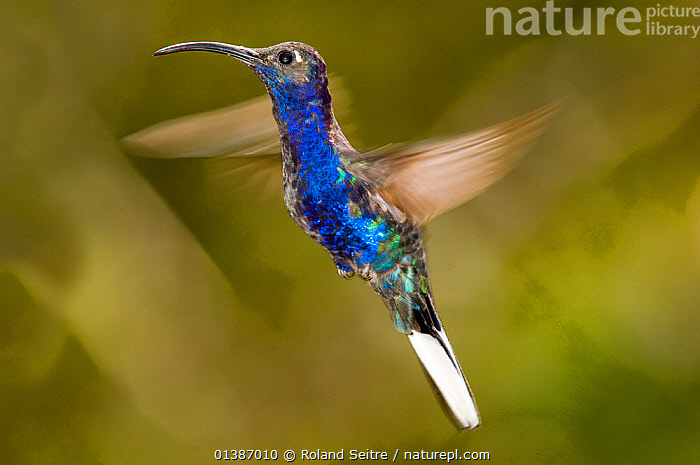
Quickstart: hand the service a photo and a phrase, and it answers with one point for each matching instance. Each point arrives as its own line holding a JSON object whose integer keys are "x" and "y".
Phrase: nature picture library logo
{"x": 655, "y": 20}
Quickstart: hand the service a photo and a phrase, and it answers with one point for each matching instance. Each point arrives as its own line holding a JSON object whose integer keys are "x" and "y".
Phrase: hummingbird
{"x": 367, "y": 209}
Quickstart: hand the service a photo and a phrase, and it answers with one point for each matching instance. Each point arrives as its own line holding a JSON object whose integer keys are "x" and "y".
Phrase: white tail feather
{"x": 438, "y": 359}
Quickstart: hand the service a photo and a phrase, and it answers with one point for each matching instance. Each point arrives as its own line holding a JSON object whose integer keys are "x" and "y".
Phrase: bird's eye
{"x": 285, "y": 57}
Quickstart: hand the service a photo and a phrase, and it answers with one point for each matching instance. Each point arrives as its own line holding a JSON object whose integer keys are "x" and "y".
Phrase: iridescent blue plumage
{"x": 322, "y": 195}
{"x": 366, "y": 209}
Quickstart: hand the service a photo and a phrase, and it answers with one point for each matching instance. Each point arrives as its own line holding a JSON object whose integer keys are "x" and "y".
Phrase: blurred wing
{"x": 240, "y": 141}
{"x": 431, "y": 177}
{"x": 243, "y": 130}
{"x": 259, "y": 173}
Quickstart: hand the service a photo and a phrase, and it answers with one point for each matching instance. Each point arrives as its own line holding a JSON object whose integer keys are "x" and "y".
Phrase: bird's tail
{"x": 415, "y": 315}
{"x": 442, "y": 369}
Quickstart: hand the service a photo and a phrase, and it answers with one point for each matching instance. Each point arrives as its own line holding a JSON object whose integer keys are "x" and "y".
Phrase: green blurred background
{"x": 151, "y": 313}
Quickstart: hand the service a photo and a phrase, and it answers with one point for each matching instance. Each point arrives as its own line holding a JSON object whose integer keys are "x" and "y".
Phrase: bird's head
{"x": 293, "y": 73}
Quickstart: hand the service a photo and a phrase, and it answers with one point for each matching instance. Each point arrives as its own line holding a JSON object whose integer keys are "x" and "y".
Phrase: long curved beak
{"x": 244, "y": 54}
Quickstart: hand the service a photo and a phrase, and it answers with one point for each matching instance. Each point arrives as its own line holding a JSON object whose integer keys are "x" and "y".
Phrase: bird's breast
{"x": 335, "y": 208}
